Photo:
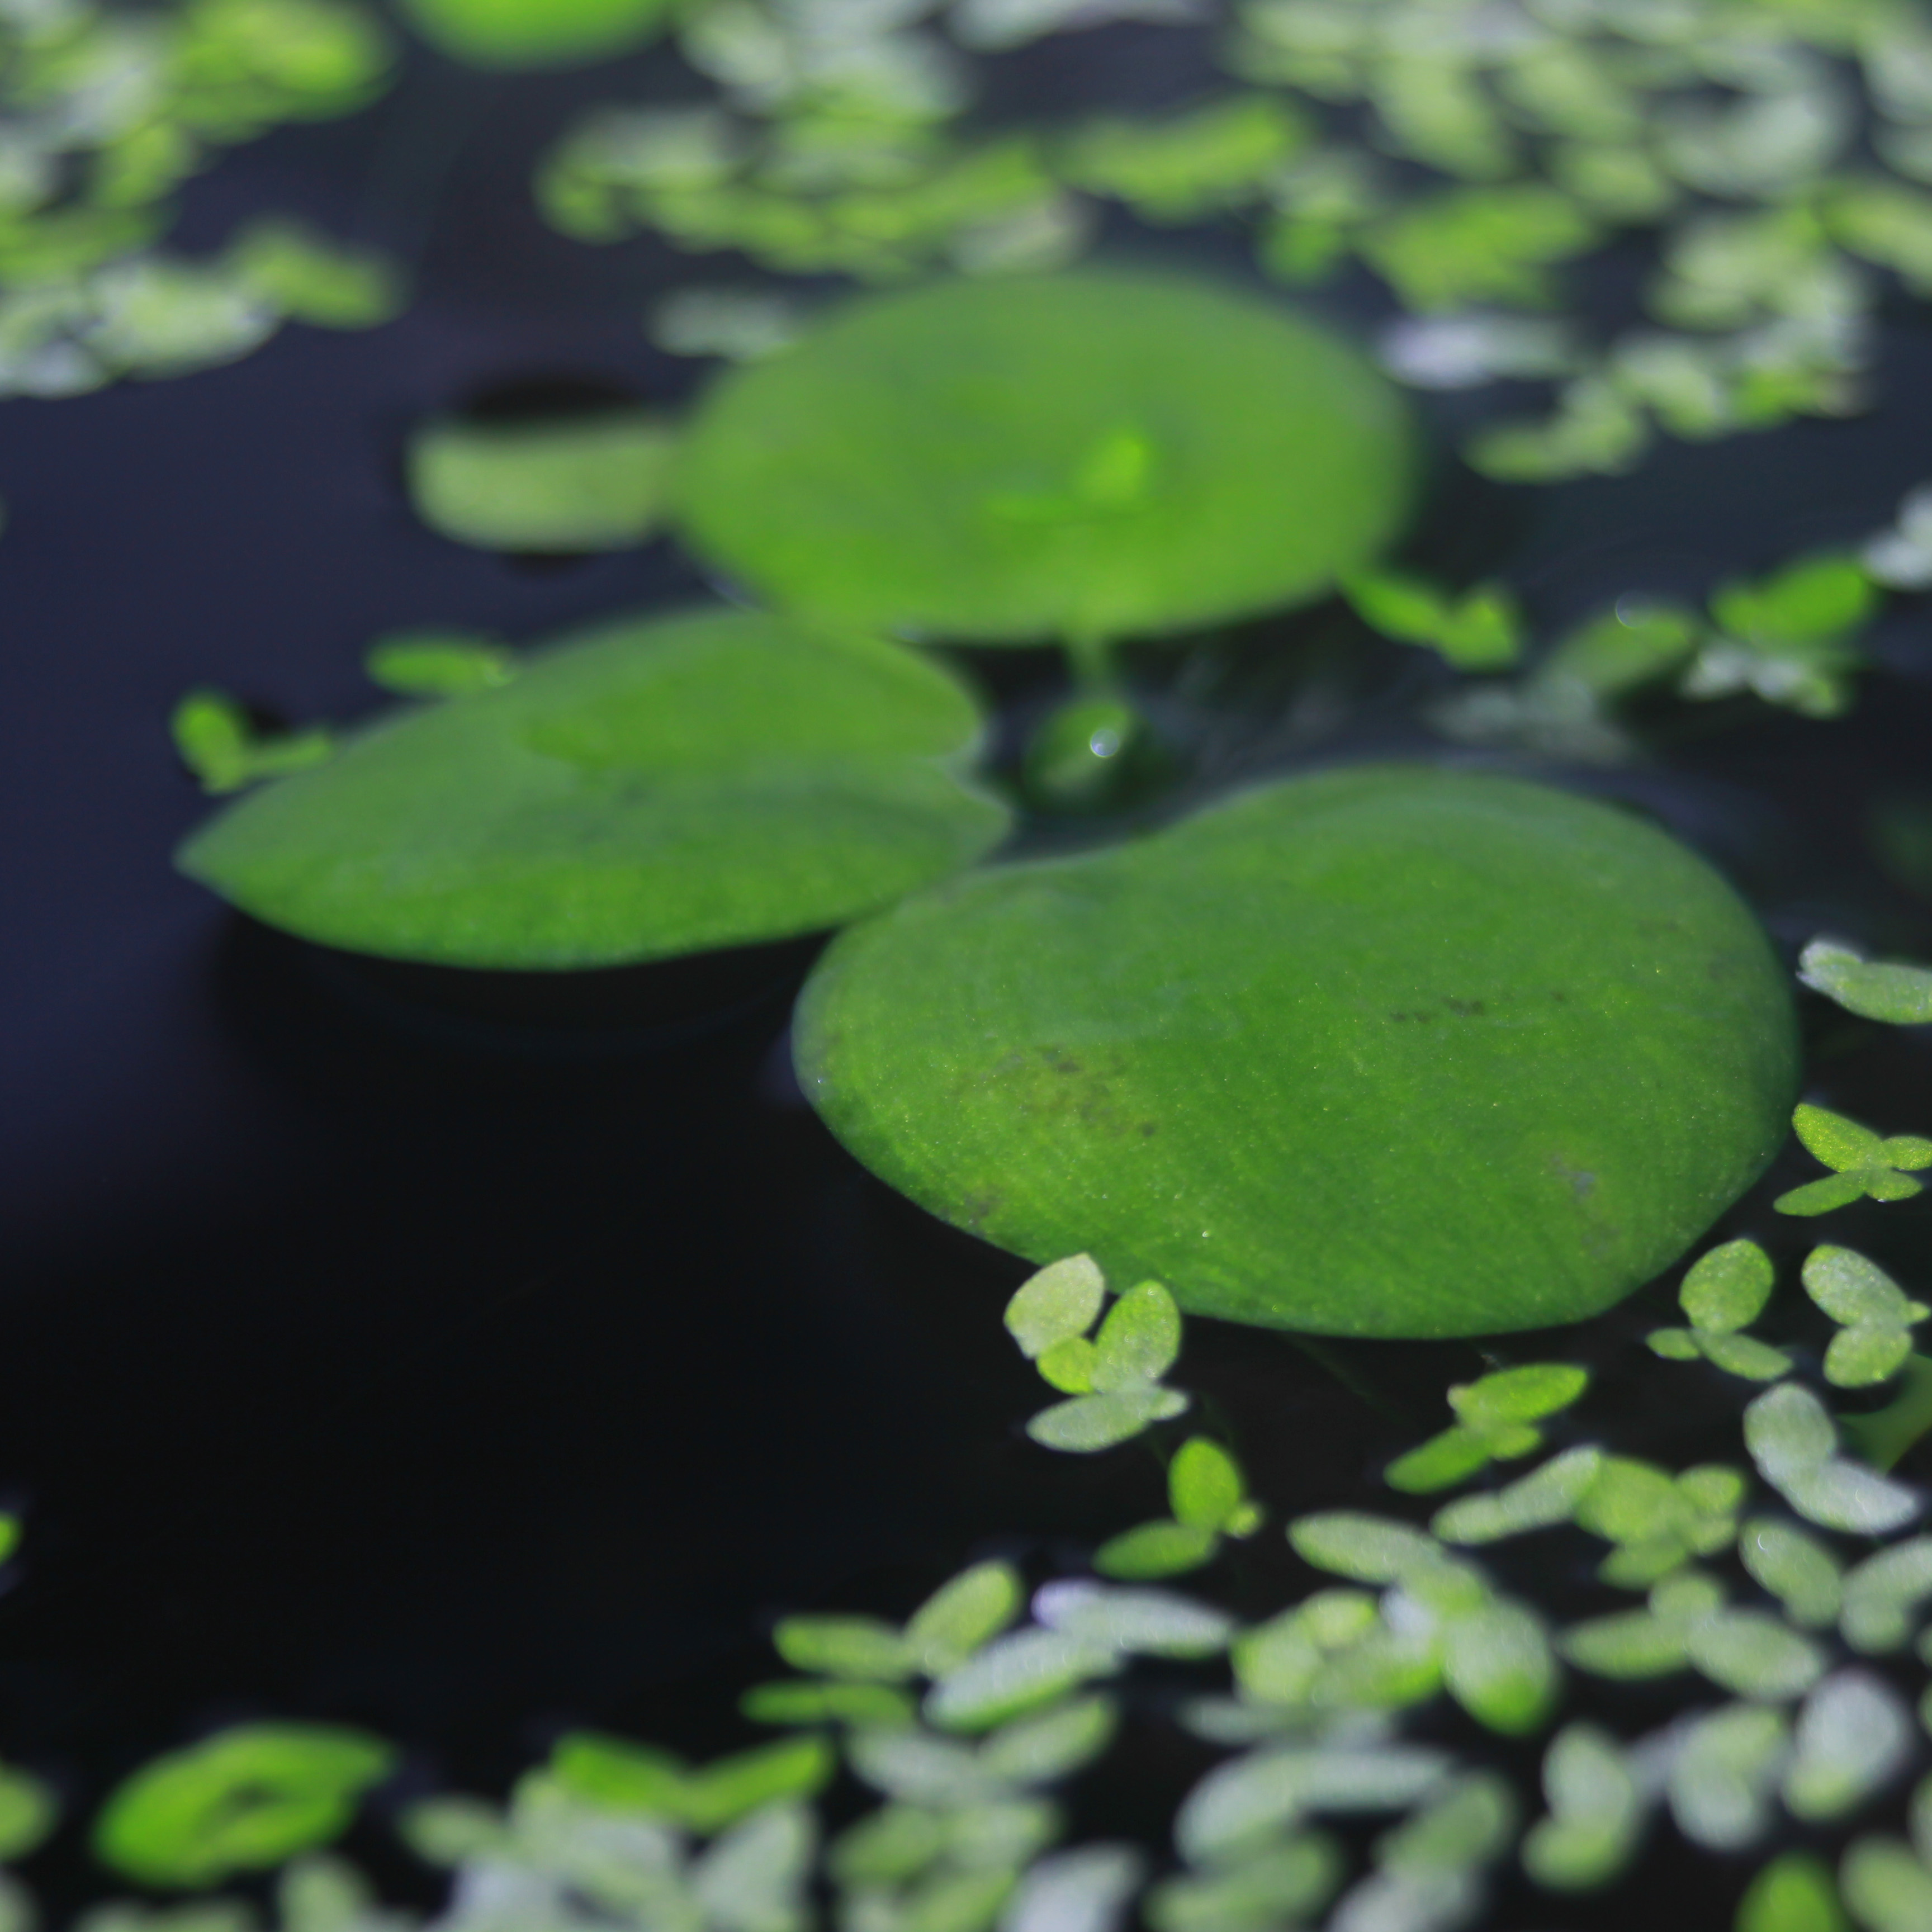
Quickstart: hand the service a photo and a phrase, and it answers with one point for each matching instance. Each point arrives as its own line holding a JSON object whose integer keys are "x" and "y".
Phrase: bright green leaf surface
{"x": 28, "y": 1812}
{"x": 576, "y": 483}
{"x": 963, "y": 1616}
{"x": 1030, "y": 458}
{"x": 536, "y": 33}
{"x": 1887, "y": 1889}
{"x": 438, "y": 664}
{"x": 1279, "y": 1886}
{"x": 1376, "y": 1013}
{"x": 1901, "y": 995}
{"x": 1881, "y": 1596}
{"x": 1014, "y": 1675}
{"x": 861, "y": 1648}
{"x": 243, "y": 1800}
{"x": 1497, "y": 1664}
{"x": 1154, "y": 1550}
{"x": 1204, "y": 1487}
{"x": 1441, "y": 1462}
{"x": 1722, "y": 1781}
{"x": 1854, "y": 1291}
{"x": 1146, "y": 1623}
{"x": 657, "y": 786}
{"x": 1726, "y": 1289}
{"x": 1525, "y": 1394}
{"x": 1794, "y": 1893}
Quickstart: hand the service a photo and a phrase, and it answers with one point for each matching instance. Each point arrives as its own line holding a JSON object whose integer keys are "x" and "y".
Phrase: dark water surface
{"x": 466, "y": 1375}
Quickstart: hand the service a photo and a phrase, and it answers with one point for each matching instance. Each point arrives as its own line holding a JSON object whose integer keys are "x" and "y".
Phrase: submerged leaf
{"x": 968, "y": 497}
{"x": 576, "y": 483}
{"x": 1251, "y": 1014}
{"x": 660, "y": 787}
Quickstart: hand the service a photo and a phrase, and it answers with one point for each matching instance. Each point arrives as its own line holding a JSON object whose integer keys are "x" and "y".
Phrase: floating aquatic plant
{"x": 1864, "y": 1166}
{"x": 246, "y": 1799}
{"x": 536, "y": 33}
{"x": 592, "y": 482}
{"x": 1046, "y": 459}
{"x": 657, "y": 786}
{"x": 1428, "y": 1015}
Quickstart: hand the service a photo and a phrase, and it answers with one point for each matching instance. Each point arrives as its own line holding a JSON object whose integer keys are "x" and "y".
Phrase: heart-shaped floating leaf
{"x": 534, "y": 33}
{"x": 1086, "y": 454}
{"x": 1383, "y": 1051}
{"x": 656, "y": 787}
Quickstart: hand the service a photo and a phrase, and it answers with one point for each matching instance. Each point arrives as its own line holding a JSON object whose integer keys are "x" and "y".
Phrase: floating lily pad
{"x": 1088, "y": 454}
{"x": 658, "y": 786}
{"x": 536, "y": 33}
{"x": 567, "y": 484}
{"x": 1381, "y": 1051}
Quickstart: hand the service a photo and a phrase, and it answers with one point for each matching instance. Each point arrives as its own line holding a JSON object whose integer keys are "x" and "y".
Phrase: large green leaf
{"x": 536, "y": 33}
{"x": 660, "y": 786}
{"x": 1087, "y": 454}
{"x": 1387, "y": 1050}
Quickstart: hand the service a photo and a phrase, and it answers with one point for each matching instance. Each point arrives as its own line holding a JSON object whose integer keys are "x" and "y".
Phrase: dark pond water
{"x": 465, "y": 1374}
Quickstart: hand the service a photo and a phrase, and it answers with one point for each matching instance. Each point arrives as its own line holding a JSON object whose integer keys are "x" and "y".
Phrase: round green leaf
{"x": 1381, "y": 1051}
{"x": 658, "y": 786}
{"x": 243, "y": 1800}
{"x": 1088, "y": 454}
{"x": 534, "y": 33}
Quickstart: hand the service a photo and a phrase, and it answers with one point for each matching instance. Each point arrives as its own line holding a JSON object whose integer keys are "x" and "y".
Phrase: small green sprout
{"x": 1481, "y": 630}
{"x": 216, "y": 740}
{"x": 1209, "y": 1499}
{"x": 1596, "y": 1812}
{"x": 1788, "y": 638}
{"x": 1795, "y": 1444}
{"x": 1725, "y": 1291}
{"x": 1114, "y": 1377}
{"x": 1874, "y": 1316}
{"x": 1865, "y": 1166}
{"x": 243, "y": 1800}
{"x": 1496, "y": 1419}
{"x": 1794, "y": 1893}
{"x": 438, "y": 664}
{"x": 1898, "y": 994}
{"x": 1466, "y": 246}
